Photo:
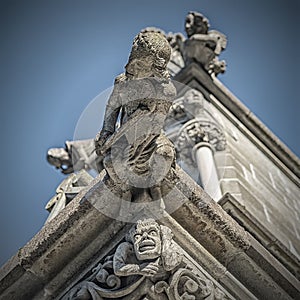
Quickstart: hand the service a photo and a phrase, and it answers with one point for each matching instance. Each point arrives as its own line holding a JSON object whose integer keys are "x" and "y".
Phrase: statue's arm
{"x": 112, "y": 111}
{"x": 121, "y": 264}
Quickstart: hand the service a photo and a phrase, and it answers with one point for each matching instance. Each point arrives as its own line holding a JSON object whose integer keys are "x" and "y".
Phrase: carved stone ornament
{"x": 148, "y": 264}
{"x": 201, "y": 130}
{"x": 67, "y": 190}
{"x": 197, "y": 124}
{"x": 139, "y": 155}
{"x": 76, "y": 155}
{"x": 202, "y": 46}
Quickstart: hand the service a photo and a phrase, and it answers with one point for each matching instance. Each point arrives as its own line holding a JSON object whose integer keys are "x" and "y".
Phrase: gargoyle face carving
{"x": 189, "y": 25}
{"x": 147, "y": 241}
{"x": 195, "y": 23}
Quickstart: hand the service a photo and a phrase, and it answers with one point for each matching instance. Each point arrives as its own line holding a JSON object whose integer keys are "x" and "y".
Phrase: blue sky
{"x": 56, "y": 56}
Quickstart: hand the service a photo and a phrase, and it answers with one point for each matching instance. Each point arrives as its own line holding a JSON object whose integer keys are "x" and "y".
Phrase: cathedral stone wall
{"x": 263, "y": 187}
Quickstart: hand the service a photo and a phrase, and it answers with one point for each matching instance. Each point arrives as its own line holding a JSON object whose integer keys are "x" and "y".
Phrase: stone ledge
{"x": 66, "y": 246}
{"x": 236, "y": 249}
{"x": 55, "y": 246}
{"x": 260, "y": 233}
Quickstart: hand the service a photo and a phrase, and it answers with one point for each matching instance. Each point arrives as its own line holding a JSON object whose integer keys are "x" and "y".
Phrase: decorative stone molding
{"x": 62, "y": 255}
{"x": 255, "y": 130}
{"x": 201, "y": 130}
{"x": 213, "y": 221}
{"x": 66, "y": 191}
{"x": 197, "y": 124}
{"x": 262, "y": 234}
{"x": 147, "y": 265}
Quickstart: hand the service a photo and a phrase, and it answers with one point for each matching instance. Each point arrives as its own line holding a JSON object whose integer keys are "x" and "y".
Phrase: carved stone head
{"x": 60, "y": 158}
{"x": 149, "y": 56}
{"x": 146, "y": 239}
{"x": 196, "y": 23}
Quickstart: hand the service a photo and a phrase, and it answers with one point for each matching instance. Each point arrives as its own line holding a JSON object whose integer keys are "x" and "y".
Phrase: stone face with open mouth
{"x": 146, "y": 245}
{"x": 147, "y": 242}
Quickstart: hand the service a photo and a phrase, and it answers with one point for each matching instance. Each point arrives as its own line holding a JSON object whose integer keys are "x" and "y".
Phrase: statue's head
{"x": 151, "y": 240}
{"x": 196, "y": 23}
{"x": 146, "y": 239}
{"x": 149, "y": 56}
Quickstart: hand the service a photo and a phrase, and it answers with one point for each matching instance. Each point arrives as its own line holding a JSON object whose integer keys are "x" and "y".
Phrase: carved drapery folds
{"x": 148, "y": 264}
{"x": 137, "y": 154}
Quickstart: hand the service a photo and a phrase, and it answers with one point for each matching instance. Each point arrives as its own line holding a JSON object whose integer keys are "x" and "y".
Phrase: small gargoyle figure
{"x": 202, "y": 46}
{"x": 149, "y": 251}
{"x": 77, "y": 155}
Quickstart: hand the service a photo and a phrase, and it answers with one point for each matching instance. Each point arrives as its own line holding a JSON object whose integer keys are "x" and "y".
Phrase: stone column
{"x": 204, "y": 157}
{"x": 197, "y": 142}
{"x": 198, "y": 137}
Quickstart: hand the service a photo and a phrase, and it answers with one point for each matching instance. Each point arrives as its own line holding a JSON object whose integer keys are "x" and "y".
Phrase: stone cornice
{"x": 230, "y": 244}
{"x": 262, "y": 234}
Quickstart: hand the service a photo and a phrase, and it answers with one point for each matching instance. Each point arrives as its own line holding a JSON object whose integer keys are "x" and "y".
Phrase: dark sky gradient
{"x": 56, "y": 56}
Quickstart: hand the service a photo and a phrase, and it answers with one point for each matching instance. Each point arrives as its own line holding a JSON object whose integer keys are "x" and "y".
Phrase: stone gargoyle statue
{"x": 134, "y": 151}
{"x": 148, "y": 251}
{"x": 202, "y": 46}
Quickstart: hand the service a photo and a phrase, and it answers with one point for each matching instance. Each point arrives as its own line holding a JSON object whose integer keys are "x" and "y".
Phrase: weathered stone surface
{"x": 76, "y": 155}
{"x": 146, "y": 257}
{"x": 264, "y": 236}
{"x": 255, "y": 166}
{"x": 194, "y": 249}
{"x": 55, "y": 247}
{"x": 139, "y": 157}
{"x": 197, "y": 136}
{"x": 202, "y": 46}
{"x": 221, "y": 97}
{"x": 80, "y": 233}
{"x": 66, "y": 191}
{"x": 191, "y": 118}
{"x": 225, "y": 241}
